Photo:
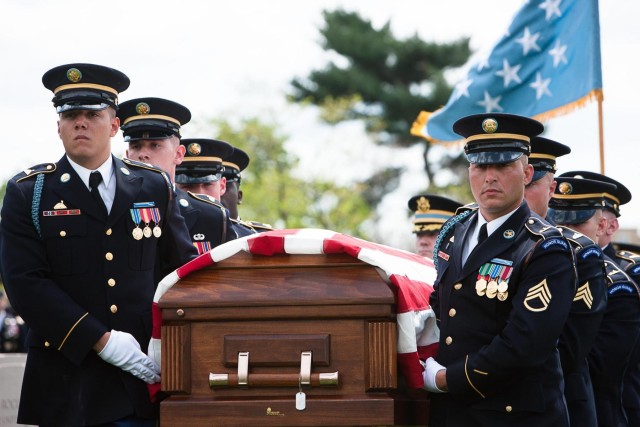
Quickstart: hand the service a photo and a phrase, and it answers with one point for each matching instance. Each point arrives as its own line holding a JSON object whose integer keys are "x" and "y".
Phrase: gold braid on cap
{"x": 542, "y": 156}
{"x": 206, "y": 159}
{"x": 498, "y": 136}
{"x": 151, "y": 116}
{"x": 86, "y": 86}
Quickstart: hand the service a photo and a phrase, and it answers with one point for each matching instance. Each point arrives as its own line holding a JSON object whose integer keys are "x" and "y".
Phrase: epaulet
{"x": 578, "y": 239}
{"x": 241, "y": 222}
{"x": 466, "y": 208}
{"x": 630, "y": 261}
{"x": 618, "y": 280}
{"x": 147, "y": 166}
{"x": 35, "y": 170}
{"x": 551, "y": 236}
{"x": 260, "y": 226}
{"x": 207, "y": 199}
{"x": 632, "y": 257}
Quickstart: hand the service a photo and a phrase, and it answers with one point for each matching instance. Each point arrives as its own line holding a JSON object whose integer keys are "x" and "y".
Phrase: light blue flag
{"x": 546, "y": 65}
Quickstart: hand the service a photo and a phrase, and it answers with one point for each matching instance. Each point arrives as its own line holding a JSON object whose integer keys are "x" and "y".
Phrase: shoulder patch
{"x": 619, "y": 282}
{"x": 35, "y": 170}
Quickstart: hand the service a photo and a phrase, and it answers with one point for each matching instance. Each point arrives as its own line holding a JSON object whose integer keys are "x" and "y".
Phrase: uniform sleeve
{"x": 48, "y": 310}
{"x": 546, "y": 286}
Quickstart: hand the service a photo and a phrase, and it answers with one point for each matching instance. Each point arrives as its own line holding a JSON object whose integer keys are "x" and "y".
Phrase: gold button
{"x": 108, "y": 256}
{"x": 452, "y": 312}
{"x": 46, "y": 344}
{"x": 457, "y": 286}
{"x": 448, "y": 341}
{"x": 63, "y": 233}
{"x": 114, "y": 309}
{"x": 109, "y": 231}
{"x": 508, "y": 408}
{"x": 111, "y": 282}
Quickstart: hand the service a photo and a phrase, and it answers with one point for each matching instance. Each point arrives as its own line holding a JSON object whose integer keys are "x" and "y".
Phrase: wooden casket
{"x": 281, "y": 340}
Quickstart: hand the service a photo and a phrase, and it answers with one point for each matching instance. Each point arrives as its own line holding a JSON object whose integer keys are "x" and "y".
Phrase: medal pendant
{"x": 157, "y": 231}
{"x": 137, "y": 233}
{"x": 481, "y": 286}
{"x": 147, "y": 232}
{"x": 502, "y": 287}
{"x": 492, "y": 289}
{"x": 502, "y": 296}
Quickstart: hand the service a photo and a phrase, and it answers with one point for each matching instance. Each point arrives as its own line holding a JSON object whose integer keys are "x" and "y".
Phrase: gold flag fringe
{"x": 419, "y": 124}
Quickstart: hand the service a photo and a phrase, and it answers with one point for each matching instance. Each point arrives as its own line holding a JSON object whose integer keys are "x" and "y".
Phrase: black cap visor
{"x": 570, "y": 217}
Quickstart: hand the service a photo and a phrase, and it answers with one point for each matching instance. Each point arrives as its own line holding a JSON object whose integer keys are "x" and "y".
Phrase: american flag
{"x": 411, "y": 276}
{"x": 547, "y": 64}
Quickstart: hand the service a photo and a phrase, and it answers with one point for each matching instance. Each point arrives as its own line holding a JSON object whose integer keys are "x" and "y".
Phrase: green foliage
{"x": 272, "y": 194}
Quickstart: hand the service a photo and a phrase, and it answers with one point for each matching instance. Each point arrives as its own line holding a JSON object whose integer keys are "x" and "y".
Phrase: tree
{"x": 381, "y": 80}
{"x": 272, "y": 194}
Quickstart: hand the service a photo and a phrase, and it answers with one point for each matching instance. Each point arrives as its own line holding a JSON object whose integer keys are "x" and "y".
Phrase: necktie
{"x": 482, "y": 234}
{"x": 94, "y": 180}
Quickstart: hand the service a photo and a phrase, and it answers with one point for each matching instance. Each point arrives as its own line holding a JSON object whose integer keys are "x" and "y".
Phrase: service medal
{"x": 502, "y": 296}
{"x": 481, "y": 286}
{"x": 137, "y": 233}
{"x": 157, "y": 231}
{"x": 502, "y": 287}
{"x": 147, "y": 231}
{"x": 492, "y": 289}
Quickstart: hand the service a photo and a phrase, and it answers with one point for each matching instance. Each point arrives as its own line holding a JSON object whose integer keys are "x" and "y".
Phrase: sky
{"x": 236, "y": 59}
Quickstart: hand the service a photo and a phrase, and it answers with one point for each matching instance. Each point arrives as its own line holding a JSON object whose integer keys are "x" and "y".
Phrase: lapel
{"x": 496, "y": 243}
{"x": 189, "y": 212}
{"x": 128, "y": 187}
{"x": 460, "y": 236}
{"x": 72, "y": 191}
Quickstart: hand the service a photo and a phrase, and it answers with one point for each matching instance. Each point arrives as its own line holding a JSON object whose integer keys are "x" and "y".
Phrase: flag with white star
{"x": 547, "y": 64}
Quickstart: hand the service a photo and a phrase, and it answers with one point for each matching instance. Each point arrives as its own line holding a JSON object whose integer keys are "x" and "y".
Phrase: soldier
{"x": 538, "y": 192}
{"x": 586, "y": 314}
{"x": 430, "y": 212}
{"x": 504, "y": 286}
{"x": 151, "y": 127}
{"x": 75, "y": 267}
{"x": 232, "y": 197}
{"x": 616, "y": 340}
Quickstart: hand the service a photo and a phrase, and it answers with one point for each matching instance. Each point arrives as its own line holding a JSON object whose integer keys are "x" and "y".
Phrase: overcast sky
{"x": 235, "y": 59}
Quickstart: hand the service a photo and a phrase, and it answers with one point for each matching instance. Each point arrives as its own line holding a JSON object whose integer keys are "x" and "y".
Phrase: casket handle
{"x": 244, "y": 379}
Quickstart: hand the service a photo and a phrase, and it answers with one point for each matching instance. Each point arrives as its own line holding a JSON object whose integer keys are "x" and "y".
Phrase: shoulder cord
{"x": 35, "y": 203}
{"x": 445, "y": 229}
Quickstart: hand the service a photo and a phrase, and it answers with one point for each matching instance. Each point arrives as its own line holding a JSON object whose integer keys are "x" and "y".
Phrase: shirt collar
{"x": 105, "y": 169}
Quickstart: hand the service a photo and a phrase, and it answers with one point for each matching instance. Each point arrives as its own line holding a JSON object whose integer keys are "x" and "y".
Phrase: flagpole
{"x": 601, "y": 135}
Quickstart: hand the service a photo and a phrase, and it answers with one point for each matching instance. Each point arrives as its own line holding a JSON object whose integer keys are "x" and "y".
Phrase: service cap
{"x": 613, "y": 199}
{"x": 575, "y": 200}
{"x": 543, "y": 156}
{"x": 430, "y": 211}
{"x": 202, "y": 161}
{"x": 84, "y": 86}
{"x": 496, "y": 138}
{"x": 234, "y": 164}
{"x": 152, "y": 118}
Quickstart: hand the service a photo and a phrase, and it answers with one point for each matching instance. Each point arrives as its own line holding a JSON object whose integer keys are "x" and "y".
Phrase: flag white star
{"x": 529, "y": 41}
{"x": 462, "y": 88}
{"x": 509, "y": 73}
{"x": 551, "y": 7}
{"x": 557, "y": 52}
{"x": 490, "y": 104}
{"x": 541, "y": 86}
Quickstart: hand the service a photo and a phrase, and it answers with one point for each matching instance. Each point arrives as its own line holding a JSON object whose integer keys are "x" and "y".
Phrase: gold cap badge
{"x": 143, "y": 108}
{"x": 423, "y": 205}
{"x": 490, "y": 125}
{"x": 194, "y": 149}
{"x": 565, "y": 188}
{"x": 74, "y": 75}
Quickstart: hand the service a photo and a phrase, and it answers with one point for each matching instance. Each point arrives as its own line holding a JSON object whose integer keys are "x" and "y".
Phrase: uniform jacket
{"x": 73, "y": 274}
{"x": 207, "y": 220}
{"x": 579, "y": 333}
{"x": 615, "y": 346}
{"x": 498, "y": 343}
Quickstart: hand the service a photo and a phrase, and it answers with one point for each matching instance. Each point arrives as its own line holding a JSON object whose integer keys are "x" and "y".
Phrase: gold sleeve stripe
{"x": 469, "y": 379}
{"x": 71, "y": 330}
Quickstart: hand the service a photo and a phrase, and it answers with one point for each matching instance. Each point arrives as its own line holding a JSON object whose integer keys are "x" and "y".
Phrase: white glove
{"x": 429, "y": 375}
{"x": 122, "y": 350}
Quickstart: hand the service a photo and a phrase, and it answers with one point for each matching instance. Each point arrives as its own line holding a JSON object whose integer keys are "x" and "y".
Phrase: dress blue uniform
{"x": 73, "y": 274}
{"x": 500, "y": 311}
{"x": 75, "y": 270}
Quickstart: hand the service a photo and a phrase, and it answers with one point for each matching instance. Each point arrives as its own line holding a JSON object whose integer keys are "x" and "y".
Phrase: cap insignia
{"x": 143, "y": 108}
{"x": 565, "y": 188}
{"x": 490, "y": 125}
{"x": 423, "y": 204}
{"x": 194, "y": 149}
{"x": 74, "y": 75}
